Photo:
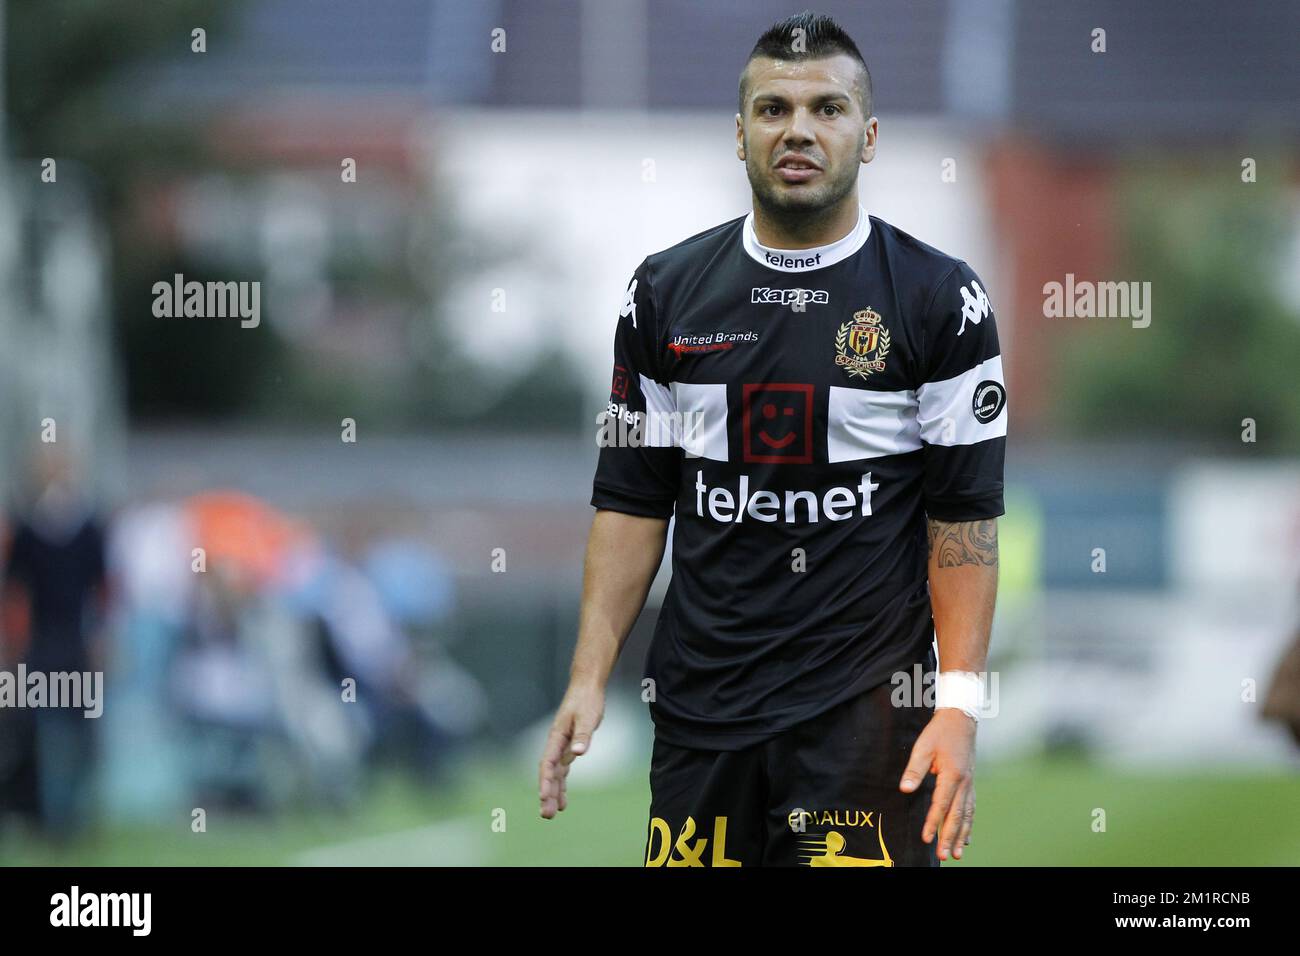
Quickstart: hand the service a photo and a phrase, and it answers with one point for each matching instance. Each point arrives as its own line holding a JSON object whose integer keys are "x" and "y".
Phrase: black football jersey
{"x": 800, "y": 413}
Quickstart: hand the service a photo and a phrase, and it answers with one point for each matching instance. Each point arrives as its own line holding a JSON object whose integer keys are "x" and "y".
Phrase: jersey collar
{"x": 806, "y": 260}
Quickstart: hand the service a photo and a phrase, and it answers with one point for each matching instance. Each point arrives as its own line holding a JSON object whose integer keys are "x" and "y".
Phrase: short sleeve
{"x": 639, "y": 468}
{"x": 962, "y": 402}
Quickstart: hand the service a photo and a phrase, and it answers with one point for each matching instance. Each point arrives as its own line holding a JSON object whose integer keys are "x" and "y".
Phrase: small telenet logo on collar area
{"x": 782, "y": 261}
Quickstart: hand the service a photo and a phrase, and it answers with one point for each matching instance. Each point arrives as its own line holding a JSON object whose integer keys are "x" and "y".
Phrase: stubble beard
{"x": 797, "y": 207}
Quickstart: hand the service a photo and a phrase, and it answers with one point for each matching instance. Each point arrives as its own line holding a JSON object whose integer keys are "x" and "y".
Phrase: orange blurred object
{"x": 244, "y": 535}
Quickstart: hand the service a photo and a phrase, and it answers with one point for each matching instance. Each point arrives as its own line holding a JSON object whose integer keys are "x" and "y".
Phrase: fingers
{"x": 570, "y": 737}
{"x": 968, "y": 819}
{"x": 550, "y": 771}
{"x": 944, "y": 792}
{"x": 918, "y": 765}
{"x": 952, "y": 807}
{"x": 583, "y": 727}
{"x": 948, "y": 789}
{"x": 571, "y": 751}
{"x": 955, "y": 817}
{"x": 559, "y": 786}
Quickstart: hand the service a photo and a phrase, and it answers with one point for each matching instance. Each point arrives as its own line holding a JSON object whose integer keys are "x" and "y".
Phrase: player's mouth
{"x": 796, "y": 169}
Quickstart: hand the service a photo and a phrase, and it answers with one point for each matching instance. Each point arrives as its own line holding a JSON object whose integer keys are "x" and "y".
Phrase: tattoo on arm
{"x": 954, "y": 543}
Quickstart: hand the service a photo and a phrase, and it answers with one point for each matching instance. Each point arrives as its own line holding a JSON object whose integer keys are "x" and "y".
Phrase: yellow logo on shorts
{"x": 682, "y": 851}
{"x": 828, "y": 849}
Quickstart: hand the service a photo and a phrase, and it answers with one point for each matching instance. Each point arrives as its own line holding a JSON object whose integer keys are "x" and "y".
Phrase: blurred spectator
{"x": 252, "y": 681}
{"x": 149, "y": 553}
{"x": 56, "y": 571}
{"x": 223, "y": 693}
{"x": 360, "y": 623}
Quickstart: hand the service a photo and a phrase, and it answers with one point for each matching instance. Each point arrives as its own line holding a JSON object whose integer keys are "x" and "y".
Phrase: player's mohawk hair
{"x": 809, "y": 36}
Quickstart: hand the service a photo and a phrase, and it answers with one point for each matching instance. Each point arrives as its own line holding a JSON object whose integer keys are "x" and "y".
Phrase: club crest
{"x": 861, "y": 345}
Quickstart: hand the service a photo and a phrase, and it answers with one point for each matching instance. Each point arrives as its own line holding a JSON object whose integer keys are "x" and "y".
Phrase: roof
{"x": 1171, "y": 67}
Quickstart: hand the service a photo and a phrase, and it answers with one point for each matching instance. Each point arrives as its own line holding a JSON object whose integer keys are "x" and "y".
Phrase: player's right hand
{"x": 576, "y": 720}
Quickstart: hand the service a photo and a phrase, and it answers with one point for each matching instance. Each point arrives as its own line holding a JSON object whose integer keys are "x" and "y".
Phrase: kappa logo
{"x": 629, "y": 304}
{"x": 764, "y": 295}
{"x": 974, "y": 306}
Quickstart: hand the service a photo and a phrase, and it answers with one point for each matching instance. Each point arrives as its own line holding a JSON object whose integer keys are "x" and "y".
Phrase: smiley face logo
{"x": 769, "y": 412}
{"x": 778, "y": 422}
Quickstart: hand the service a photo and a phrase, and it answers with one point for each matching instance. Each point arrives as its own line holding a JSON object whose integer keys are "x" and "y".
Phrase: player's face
{"x": 802, "y": 135}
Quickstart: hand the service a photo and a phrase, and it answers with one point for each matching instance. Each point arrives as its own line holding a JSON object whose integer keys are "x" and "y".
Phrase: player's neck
{"x": 782, "y": 230}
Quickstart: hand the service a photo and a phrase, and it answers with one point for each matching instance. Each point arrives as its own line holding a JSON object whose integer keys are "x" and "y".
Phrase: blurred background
{"x": 387, "y": 475}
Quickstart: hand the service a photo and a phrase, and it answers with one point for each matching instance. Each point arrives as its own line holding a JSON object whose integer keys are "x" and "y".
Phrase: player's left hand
{"x": 946, "y": 748}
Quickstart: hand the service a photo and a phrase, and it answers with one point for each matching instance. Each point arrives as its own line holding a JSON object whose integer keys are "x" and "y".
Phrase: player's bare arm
{"x": 963, "y": 576}
{"x": 623, "y": 554}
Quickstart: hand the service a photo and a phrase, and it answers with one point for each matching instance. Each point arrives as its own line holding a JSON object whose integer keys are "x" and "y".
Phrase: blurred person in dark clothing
{"x": 55, "y": 575}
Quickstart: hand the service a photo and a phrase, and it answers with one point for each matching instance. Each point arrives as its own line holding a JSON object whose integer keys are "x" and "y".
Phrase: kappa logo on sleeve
{"x": 974, "y": 306}
{"x": 629, "y": 304}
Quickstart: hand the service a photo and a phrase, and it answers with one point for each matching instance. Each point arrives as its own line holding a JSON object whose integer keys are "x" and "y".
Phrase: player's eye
{"x": 832, "y": 107}
{"x": 769, "y": 106}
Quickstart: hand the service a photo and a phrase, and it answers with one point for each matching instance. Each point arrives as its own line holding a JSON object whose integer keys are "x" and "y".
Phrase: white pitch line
{"x": 456, "y": 842}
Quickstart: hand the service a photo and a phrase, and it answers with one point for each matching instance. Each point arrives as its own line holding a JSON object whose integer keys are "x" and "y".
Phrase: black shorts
{"x": 823, "y": 793}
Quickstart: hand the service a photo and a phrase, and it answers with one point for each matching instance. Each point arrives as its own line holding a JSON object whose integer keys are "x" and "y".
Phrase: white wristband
{"x": 962, "y": 690}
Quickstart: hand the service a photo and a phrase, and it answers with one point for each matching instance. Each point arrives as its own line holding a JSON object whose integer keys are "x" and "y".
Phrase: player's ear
{"x": 740, "y": 138}
{"x": 869, "y": 140}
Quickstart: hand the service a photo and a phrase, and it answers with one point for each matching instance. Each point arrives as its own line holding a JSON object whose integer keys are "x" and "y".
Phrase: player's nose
{"x": 799, "y": 130}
